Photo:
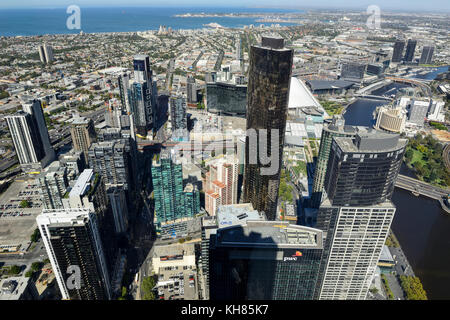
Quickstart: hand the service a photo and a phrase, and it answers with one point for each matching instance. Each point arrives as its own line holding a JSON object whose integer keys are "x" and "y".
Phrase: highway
{"x": 423, "y": 189}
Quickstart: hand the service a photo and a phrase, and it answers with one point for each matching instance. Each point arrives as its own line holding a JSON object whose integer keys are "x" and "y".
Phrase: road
{"x": 446, "y": 154}
{"x": 421, "y": 187}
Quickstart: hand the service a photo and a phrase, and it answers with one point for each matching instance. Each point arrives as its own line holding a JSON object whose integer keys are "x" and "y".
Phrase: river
{"x": 420, "y": 224}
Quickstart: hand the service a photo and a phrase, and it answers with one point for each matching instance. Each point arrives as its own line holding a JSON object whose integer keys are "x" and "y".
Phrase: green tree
{"x": 35, "y": 266}
{"x": 25, "y": 204}
{"x": 14, "y": 270}
{"x": 147, "y": 288}
{"x": 35, "y": 236}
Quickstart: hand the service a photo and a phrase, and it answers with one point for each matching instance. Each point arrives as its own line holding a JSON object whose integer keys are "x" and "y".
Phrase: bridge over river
{"x": 422, "y": 188}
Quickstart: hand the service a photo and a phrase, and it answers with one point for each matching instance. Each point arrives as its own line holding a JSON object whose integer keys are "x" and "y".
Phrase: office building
{"x": 46, "y": 53}
{"x": 221, "y": 183}
{"x": 123, "y": 81}
{"x": 226, "y": 98}
{"x": 427, "y": 55}
{"x": 267, "y": 99}
{"x": 89, "y": 192}
{"x": 410, "y": 50}
{"x": 397, "y": 55}
{"x": 178, "y": 119}
{"x": 83, "y": 135}
{"x": 30, "y": 137}
{"x": 417, "y": 111}
{"x": 116, "y": 116}
{"x": 118, "y": 201}
{"x": 111, "y": 159}
{"x": 335, "y": 128}
{"x": 72, "y": 240}
{"x": 191, "y": 200}
{"x": 191, "y": 89}
{"x": 73, "y": 161}
{"x": 391, "y": 119}
{"x": 436, "y": 111}
{"x": 375, "y": 69}
{"x": 142, "y": 95}
{"x": 362, "y": 170}
{"x": 169, "y": 195}
{"x": 255, "y": 259}
{"x": 53, "y": 182}
{"x": 357, "y": 213}
{"x": 353, "y": 71}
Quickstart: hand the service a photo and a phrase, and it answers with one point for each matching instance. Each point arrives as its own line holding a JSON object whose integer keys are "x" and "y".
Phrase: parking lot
{"x": 177, "y": 283}
{"x": 16, "y": 223}
{"x": 16, "y": 193}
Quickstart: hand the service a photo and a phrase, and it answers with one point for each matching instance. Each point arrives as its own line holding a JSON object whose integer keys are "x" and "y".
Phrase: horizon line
{"x": 286, "y": 7}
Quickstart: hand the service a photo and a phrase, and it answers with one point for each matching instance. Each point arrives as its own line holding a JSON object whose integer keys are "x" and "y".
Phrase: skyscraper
{"x": 397, "y": 55}
{"x": 111, "y": 160}
{"x": 83, "y": 135}
{"x": 267, "y": 99}
{"x": 118, "y": 201}
{"x": 167, "y": 177}
{"x": 410, "y": 49}
{"x": 116, "y": 116}
{"x": 72, "y": 241}
{"x": 427, "y": 55}
{"x": 142, "y": 95}
{"x": 46, "y": 53}
{"x": 357, "y": 213}
{"x": 250, "y": 258}
{"x": 89, "y": 192}
{"x": 178, "y": 118}
{"x": 191, "y": 200}
{"x": 336, "y": 128}
{"x": 191, "y": 88}
{"x": 53, "y": 183}
{"x": 221, "y": 183}
{"x": 30, "y": 136}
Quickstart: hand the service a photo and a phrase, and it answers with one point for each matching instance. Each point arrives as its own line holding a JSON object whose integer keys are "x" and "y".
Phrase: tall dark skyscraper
{"x": 72, "y": 240}
{"x": 397, "y": 55}
{"x": 362, "y": 170}
{"x": 254, "y": 259}
{"x": 267, "y": 99}
{"x": 336, "y": 128}
{"x": 427, "y": 55}
{"x": 357, "y": 214}
{"x": 410, "y": 49}
{"x": 143, "y": 95}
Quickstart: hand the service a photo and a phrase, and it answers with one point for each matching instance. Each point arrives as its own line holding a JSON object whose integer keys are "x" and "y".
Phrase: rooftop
{"x": 82, "y": 184}
{"x": 300, "y": 96}
{"x": 277, "y": 234}
{"x": 371, "y": 141}
{"x": 235, "y": 214}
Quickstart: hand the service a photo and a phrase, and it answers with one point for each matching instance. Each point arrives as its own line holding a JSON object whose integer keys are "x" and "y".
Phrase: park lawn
{"x": 417, "y": 157}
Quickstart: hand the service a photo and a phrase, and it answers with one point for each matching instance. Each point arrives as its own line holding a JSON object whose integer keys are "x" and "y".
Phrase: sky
{"x": 406, "y": 5}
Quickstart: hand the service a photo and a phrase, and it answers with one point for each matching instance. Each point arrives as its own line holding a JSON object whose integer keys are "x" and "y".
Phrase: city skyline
{"x": 293, "y": 155}
{"x": 396, "y": 5}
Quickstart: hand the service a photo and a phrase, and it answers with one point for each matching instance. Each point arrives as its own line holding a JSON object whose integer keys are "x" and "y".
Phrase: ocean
{"x": 30, "y": 22}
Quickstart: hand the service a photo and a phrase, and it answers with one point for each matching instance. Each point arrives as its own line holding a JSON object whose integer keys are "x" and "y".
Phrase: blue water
{"x": 28, "y": 22}
{"x": 433, "y": 74}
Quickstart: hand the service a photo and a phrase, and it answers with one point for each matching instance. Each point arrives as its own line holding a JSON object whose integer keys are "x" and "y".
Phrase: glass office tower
{"x": 267, "y": 100}
{"x": 357, "y": 213}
